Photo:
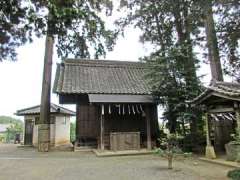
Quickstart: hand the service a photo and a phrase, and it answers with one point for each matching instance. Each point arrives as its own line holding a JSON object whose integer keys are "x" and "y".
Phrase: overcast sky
{"x": 21, "y": 80}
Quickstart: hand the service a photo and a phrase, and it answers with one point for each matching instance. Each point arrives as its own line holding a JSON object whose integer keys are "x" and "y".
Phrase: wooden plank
{"x": 226, "y": 96}
{"x": 124, "y": 141}
{"x": 149, "y": 141}
{"x": 102, "y": 132}
{"x": 221, "y": 110}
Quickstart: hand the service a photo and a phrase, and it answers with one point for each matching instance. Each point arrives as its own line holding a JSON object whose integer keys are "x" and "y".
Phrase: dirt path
{"x": 28, "y": 164}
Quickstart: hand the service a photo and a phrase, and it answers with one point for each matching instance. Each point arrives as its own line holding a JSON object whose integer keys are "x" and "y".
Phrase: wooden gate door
{"x": 28, "y": 137}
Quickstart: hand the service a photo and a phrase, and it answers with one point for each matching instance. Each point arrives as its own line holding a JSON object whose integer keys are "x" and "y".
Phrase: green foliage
{"x": 227, "y": 28}
{"x": 168, "y": 26}
{"x": 16, "y": 127}
{"x": 170, "y": 149}
{"x": 167, "y": 78}
{"x": 235, "y": 138}
{"x": 75, "y": 24}
{"x": 234, "y": 174}
{"x": 9, "y": 120}
{"x": 169, "y": 145}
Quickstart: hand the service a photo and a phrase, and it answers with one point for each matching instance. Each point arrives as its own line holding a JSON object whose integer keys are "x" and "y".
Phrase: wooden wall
{"x": 222, "y": 133}
{"x": 88, "y": 122}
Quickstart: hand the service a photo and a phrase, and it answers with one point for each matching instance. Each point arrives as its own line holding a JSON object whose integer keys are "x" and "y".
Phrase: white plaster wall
{"x": 59, "y": 132}
{"x": 62, "y": 130}
{"x": 35, "y": 132}
{"x": 35, "y": 135}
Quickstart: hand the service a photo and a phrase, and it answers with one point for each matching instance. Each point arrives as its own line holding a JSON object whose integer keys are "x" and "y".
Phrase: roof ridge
{"x": 52, "y": 106}
{"x": 226, "y": 83}
{"x": 28, "y": 108}
{"x": 105, "y": 63}
{"x": 62, "y": 107}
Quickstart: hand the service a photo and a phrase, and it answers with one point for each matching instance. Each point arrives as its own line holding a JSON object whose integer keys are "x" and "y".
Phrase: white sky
{"x": 21, "y": 80}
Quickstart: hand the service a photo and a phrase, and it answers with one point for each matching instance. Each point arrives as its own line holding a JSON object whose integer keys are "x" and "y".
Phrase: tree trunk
{"x": 44, "y": 126}
{"x": 170, "y": 159}
{"x": 183, "y": 28}
{"x": 212, "y": 44}
{"x": 170, "y": 156}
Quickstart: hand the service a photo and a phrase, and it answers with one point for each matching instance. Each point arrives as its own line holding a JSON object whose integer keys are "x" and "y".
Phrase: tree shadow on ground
{"x": 164, "y": 168}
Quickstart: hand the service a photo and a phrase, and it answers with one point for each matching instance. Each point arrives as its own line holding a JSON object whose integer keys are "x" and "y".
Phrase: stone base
{"x": 210, "y": 152}
{"x": 43, "y": 146}
{"x": 43, "y": 137}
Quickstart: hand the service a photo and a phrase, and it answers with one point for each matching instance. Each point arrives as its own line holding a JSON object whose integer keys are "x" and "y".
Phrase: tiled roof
{"x": 225, "y": 90}
{"x": 36, "y": 110}
{"x": 100, "y": 77}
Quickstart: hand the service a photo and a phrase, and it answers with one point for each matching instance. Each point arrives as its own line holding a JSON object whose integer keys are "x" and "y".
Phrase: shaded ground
{"x": 28, "y": 164}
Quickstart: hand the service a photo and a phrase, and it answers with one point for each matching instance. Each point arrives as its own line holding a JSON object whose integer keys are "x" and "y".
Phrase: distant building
{"x": 3, "y": 127}
{"x": 59, "y": 125}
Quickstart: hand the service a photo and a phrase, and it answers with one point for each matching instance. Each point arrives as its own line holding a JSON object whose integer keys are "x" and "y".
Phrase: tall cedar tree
{"x": 222, "y": 25}
{"x": 168, "y": 25}
{"x": 228, "y": 33}
{"x": 74, "y": 24}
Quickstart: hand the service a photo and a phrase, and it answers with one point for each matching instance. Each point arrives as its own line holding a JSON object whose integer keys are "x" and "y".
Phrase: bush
{"x": 234, "y": 174}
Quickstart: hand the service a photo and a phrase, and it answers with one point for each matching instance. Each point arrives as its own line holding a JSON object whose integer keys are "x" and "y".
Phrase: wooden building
{"x": 59, "y": 125}
{"x": 114, "y": 105}
{"x": 221, "y": 104}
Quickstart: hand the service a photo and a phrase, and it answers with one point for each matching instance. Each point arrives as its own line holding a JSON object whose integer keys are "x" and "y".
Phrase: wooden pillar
{"x": 237, "y": 113}
{"x": 148, "y": 124}
{"x": 78, "y": 111}
{"x": 210, "y": 152}
{"x": 208, "y": 141}
{"x": 102, "y": 128}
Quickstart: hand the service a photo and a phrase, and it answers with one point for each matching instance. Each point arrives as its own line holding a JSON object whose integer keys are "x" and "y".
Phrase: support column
{"x": 43, "y": 137}
{"x": 102, "y": 129}
{"x": 210, "y": 152}
{"x": 44, "y": 126}
{"x": 148, "y": 124}
{"x": 237, "y": 113}
{"x": 76, "y": 142}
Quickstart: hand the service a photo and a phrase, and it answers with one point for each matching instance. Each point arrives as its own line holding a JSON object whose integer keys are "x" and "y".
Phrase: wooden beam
{"x": 225, "y": 96}
{"x": 102, "y": 129}
{"x": 148, "y": 124}
{"x": 221, "y": 110}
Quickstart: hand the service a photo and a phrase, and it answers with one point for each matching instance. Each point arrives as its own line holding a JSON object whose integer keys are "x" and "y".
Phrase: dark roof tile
{"x": 101, "y": 77}
{"x": 227, "y": 89}
{"x": 36, "y": 110}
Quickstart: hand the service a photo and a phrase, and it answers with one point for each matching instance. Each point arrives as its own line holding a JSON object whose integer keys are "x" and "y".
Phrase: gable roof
{"x": 225, "y": 90}
{"x": 53, "y": 109}
{"x": 80, "y": 76}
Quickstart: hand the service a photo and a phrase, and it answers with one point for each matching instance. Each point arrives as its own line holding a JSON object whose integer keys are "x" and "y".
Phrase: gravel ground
{"x": 28, "y": 164}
